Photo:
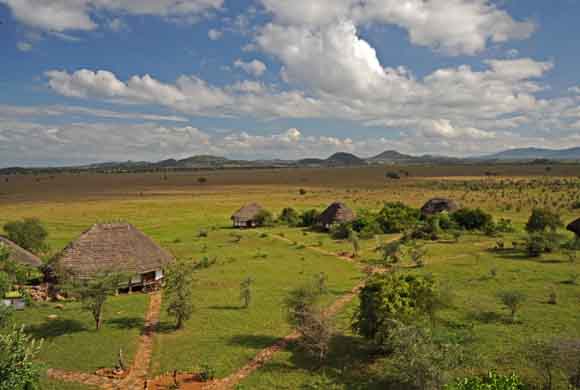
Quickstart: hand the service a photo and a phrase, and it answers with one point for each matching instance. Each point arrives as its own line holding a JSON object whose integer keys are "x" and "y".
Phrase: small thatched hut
{"x": 439, "y": 205}
{"x": 574, "y": 227}
{"x": 337, "y": 212}
{"x": 247, "y": 216}
{"x": 115, "y": 247}
{"x": 20, "y": 255}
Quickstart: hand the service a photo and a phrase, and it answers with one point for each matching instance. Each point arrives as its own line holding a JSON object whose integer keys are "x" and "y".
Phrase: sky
{"x": 114, "y": 80}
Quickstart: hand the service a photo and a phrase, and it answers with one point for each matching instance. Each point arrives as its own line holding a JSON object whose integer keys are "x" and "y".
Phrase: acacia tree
{"x": 513, "y": 301}
{"x": 178, "y": 292}
{"x": 18, "y": 370}
{"x": 94, "y": 293}
{"x": 315, "y": 329}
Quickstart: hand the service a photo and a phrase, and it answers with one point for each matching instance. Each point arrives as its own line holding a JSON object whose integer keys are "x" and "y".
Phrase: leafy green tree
{"x": 95, "y": 292}
{"x": 178, "y": 291}
{"x": 5, "y": 284}
{"x": 396, "y": 217}
{"x": 309, "y": 218}
{"x": 392, "y": 252}
{"x": 542, "y": 219}
{"x": 390, "y": 299}
{"x": 264, "y": 218}
{"x": 29, "y": 233}
{"x": 538, "y": 243}
{"x": 289, "y": 216}
{"x": 5, "y": 316}
{"x": 471, "y": 219}
{"x": 513, "y": 301}
{"x": 18, "y": 369}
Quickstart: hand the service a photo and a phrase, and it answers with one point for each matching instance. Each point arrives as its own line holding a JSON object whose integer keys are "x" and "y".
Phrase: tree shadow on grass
{"x": 225, "y": 307}
{"x": 348, "y": 363}
{"x": 166, "y": 327}
{"x": 55, "y": 328}
{"x": 486, "y": 317}
{"x": 253, "y": 341}
{"x": 127, "y": 323}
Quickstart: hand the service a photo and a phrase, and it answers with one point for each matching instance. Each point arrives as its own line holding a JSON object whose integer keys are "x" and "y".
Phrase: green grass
{"x": 221, "y": 333}
{"x": 48, "y": 384}
{"x": 70, "y": 341}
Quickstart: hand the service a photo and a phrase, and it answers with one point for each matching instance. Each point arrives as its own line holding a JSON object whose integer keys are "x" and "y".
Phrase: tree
{"x": 246, "y": 292}
{"x": 178, "y": 292}
{"x": 513, "y": 301}
{"x": 314, "y": 328}
{"x": 5, "y": 316}
{"x": 390, "y": 299}
{"x": 29, "y": 233}
{"x": 355, "y": 243}
{"x": 396, "y": 217}
{"x": 471, "y": 219}
{"x": 264, "y": 218}
{"x": 18, "y": 370}
{"x": 542, "y": 219}
{"x": 298, "y": 302}
{"x": 309, "y": 218}
{"x": 94, "y": 293}
{"x": 419, "y": 360}
{"x": 289, "y": 216}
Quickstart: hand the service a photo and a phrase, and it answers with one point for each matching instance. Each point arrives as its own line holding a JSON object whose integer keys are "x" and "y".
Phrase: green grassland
{"x": 222, "y": 335}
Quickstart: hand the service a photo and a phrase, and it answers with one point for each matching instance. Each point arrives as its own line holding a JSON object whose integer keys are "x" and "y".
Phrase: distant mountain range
{"x": 342, "y": 159}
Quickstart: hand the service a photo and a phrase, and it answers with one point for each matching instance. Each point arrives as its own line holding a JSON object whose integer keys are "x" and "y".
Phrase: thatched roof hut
{"x": 114, "y": 247}
{"x": 574, "y": 227}
{"x": 439, "y": 205}
{"x": 337, "y": 212}
{"x": 247, "y": 215}
{"x": 20, "y": 255}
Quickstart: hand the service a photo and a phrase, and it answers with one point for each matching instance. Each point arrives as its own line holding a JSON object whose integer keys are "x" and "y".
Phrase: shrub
{"x": 575, "y": 205}
{"x": 206, "y": 373}
{"x": 202, "y": 233}
{"x": 309, "y": 218}
{"x": 471, "y": 219}
{"x": 29, "y": 233}
{"x": 542, "y": 219}
{"x": 340, "y": 231}
{"x": 18, "y": 369}
{"x": 289, "y": 216}
{"x": 393, "y": 175}
{"x": 539, "y": 243}
{"x": 492, "y": 381}
{"x": 391, "y": 298}
{"x": 264, "y": 218}
{"x": 202, "y": 180}
{"x": 397, "y": 217}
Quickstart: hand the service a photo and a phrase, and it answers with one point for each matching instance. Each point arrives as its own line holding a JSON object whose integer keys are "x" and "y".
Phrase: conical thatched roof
{"x": 112, "y": 247}
{"x": 20, "y": 255}
{"x": 439, "y": 205}
{"x": 247, "y": 213}
{"x": 337, "y": 212}
{"x": 574, "y": 227}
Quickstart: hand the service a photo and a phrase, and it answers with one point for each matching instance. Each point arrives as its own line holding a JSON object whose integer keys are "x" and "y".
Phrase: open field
{"x": 224, "y": 336}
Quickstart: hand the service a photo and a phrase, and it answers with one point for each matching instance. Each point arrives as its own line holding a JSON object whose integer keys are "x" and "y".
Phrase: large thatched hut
{"x": 19, "y": 254}
{"x": 115, "y": 247}
{"x": 439, "y": 205}
{"x": 247, "y": 216}
{"x": 574, "y": 227}
{"x": 336, "y": 213}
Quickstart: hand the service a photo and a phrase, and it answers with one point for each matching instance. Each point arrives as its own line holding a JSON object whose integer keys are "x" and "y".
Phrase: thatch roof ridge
{"x": 21, "y": 255}
{"x": 574, "y": 227}
{"x": 336, "y": 212}
{"x": 248, "y": 211}
{"x": 108, "y": 247}
{"x": 439, "y": 204}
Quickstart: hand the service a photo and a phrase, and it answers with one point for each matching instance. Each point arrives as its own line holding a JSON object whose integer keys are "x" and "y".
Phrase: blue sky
{"x": 99, "y": 80}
